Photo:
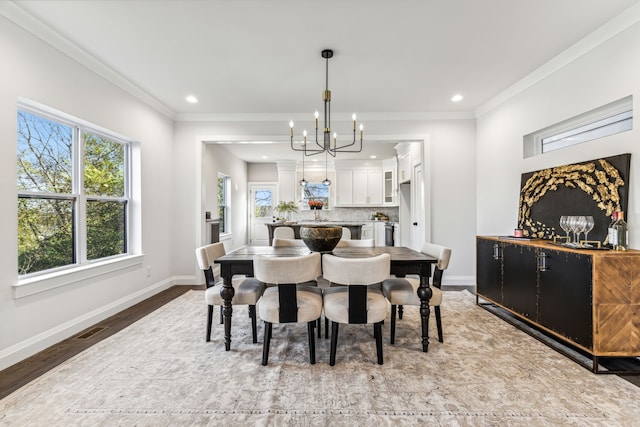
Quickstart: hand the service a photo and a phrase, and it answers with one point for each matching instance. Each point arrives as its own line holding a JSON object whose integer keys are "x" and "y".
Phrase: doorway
{"x": 261, "y": 203}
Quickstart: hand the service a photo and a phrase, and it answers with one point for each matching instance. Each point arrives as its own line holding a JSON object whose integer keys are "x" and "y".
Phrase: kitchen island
{"x": 353, "y": 226}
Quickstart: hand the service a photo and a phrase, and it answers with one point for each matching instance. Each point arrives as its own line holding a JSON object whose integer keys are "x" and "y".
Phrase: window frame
{"x": 224, "y": 209}
{"x": 600, "y": 122}
{"x": 80, "y": 196}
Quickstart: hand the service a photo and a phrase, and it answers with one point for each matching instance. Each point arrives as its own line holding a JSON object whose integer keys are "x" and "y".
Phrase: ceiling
{"x": 260, "y": 60}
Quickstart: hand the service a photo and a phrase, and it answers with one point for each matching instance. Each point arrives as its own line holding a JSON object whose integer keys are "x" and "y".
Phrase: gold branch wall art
{"x": 597, "y": 188}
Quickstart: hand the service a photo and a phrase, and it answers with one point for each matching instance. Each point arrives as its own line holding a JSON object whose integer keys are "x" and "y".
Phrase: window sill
{"x": 45, "y": 282}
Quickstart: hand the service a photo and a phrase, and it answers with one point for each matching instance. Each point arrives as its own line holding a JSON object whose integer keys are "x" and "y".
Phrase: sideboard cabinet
{"x": 587, "y": 298}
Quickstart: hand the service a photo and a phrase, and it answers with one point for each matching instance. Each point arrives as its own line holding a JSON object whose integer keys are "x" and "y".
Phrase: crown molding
{"x": 335, "y": 117}
{"x": 615, "y": 26}
{"x": 29, "y": 23}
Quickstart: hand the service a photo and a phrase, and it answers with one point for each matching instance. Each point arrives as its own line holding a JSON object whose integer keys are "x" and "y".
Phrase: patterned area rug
{"x": 160, "y": 372}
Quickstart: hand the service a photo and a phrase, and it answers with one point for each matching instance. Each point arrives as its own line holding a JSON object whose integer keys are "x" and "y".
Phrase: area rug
{"x": 160, "y": 372}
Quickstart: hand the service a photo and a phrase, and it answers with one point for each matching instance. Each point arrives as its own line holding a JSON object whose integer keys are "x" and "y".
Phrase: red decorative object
{"x": 315, "y": 204}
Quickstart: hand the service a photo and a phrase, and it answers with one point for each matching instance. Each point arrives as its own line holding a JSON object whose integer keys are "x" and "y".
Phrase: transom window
{"x": 607, "y": 120}
{"x": 73, "y": 192}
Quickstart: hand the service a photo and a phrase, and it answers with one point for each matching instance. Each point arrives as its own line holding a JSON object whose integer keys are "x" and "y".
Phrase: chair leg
{"x": 400, "y": 311}
{"x": 319, "y": 324}
{"x": 254, "y": 329}
{"x": 209, "y": 321}
{"x": 392, "y": 338}
{"x": 265, "y": 344}
{"x": 326, "y": 328}
{"x": 377, "y": 332}
{"x": 334, "y": 343}
{"x": 438, "y": 322}
{"x": 312, "y": 342}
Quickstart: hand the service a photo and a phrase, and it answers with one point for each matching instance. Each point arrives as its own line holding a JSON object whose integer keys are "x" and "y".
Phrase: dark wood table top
{"x": 398, "y": 254}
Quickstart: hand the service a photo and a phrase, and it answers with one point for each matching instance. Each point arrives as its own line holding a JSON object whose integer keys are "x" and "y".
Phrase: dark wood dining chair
{"x": 247, "y": 290}
{"x": 403, "y": 291}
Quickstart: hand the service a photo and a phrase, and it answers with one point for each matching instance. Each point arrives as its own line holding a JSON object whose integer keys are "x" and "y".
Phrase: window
{"x": 73, "y": 192}
{"x": 315, "y": 192}
{"x": 607, "y": 120}
{"x": 224, "y": 184}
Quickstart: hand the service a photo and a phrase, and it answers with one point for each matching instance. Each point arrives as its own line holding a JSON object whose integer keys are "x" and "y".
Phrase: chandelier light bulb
{"x": 316, "y": 114}
{"x": 361, "y": 127}
{"x": 354, "y": 117}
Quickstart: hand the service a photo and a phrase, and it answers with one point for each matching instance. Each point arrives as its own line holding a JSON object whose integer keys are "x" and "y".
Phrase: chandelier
{"x": 329, "y": 143}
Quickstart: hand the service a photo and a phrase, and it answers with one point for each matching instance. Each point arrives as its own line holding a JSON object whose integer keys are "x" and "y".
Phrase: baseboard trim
{"x": 24, "y": 349}
{"x": 458, "y": 280}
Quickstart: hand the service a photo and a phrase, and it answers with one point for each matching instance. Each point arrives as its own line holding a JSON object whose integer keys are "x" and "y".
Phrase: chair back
{"x": 206, "y": 255}
{"x": 346, "y": 233}
{"x": 286, "y": 272}
{"x": 280, "y": 243}
{"x": 283, "y": 233}
{"x": 356, "y": 271}
{"x": 357, "y": 274}
{"x": 443, "y": 254}
{"x": 287, "y": 269}
{"x": 362, "y": 243}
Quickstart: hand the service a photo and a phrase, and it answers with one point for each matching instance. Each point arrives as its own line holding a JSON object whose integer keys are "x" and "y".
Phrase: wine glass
{"x": 581, "y": 226}
{"x": 573, "y": 226}
{"x": 564, "y": 224}
{"x": 589, "y": 223}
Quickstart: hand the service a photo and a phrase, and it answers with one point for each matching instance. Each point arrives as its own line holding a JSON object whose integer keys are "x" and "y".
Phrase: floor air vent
{"x": 91, "y": 332}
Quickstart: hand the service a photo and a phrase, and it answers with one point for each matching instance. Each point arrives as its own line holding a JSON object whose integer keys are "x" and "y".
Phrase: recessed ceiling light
{"x": 265, "y": 157}
{"x": 192, "y": 99}
{"x": 373, "y": 157}
{"x": 457, "y": 98}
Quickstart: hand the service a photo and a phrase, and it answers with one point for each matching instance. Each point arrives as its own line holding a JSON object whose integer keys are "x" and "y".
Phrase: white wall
{"x": 606, "y": 73}
{"x": 34, "y": 70}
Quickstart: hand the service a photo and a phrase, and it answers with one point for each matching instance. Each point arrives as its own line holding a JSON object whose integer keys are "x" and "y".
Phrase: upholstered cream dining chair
{"x": 283, "y": 232}
{"x": 404, "y": 291}
{"x": 289, "y": 302}
{"x": 282, "y": 243}
{"x": 358, "y": 302}
{"x": 247, "y": 290}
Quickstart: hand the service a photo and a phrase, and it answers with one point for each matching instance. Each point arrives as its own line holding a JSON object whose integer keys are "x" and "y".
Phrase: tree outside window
{"x": 224, "y": 184}
{"x": 72, "y": 193}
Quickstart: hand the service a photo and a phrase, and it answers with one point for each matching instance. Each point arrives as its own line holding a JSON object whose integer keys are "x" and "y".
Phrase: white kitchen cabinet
{"x": 404, "y": 168}
{"x": 359, "y": 184}
{"x": 344, "y": 188}
{"x": 367, "y": 231}
{"x": 409, "y": 154}
{"x": 379, "y": 232}
{"x": 367, "y": 188}
{"x": 389, "y": 184}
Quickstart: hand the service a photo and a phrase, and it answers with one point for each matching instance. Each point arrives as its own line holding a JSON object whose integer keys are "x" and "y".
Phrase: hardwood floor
{"x": 29, "y": 369}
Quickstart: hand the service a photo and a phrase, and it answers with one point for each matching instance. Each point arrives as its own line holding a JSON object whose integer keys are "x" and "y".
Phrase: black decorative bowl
{"x": 320, "y": 238}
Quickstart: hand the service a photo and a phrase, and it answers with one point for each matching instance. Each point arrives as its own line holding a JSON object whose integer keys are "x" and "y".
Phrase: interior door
{"x": 261, "y": 204}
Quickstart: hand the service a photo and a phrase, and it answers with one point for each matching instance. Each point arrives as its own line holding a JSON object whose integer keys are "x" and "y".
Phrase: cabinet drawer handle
{"x": 542, "y": 262}
{"x": 496, "y": 251}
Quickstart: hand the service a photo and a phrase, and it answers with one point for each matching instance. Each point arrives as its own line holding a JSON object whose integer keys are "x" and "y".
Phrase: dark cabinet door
{"x": 489, "y": 269}
{"x": 565, "y": 296}
{"x": 519, "y": 280}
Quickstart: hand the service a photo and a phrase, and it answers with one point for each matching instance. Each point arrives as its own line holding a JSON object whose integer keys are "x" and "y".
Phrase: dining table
{"x": 403, "y": 261}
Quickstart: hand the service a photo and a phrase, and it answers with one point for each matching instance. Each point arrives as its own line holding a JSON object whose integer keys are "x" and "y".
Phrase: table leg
{"x": 226, "y": 293}
{"x": 425, "y": 293}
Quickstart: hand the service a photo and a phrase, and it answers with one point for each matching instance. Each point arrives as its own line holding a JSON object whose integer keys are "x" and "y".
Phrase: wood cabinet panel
{"x": 590, "y": 299}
